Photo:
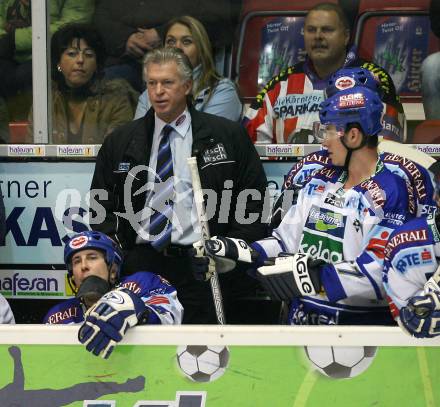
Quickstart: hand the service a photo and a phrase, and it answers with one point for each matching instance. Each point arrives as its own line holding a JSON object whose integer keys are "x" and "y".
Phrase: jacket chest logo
{"x": 215, "y": 154}
{"x": 123, "y": 167}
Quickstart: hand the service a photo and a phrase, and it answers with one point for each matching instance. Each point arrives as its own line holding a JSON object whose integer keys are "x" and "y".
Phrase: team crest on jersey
{"x": 78, "y": 242}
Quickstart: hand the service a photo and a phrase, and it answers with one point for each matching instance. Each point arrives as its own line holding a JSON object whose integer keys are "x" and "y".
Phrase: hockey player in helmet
{"x": 326, "y": 255}
{"x": 105, "y": 306}
{"x": 394, "y": 156}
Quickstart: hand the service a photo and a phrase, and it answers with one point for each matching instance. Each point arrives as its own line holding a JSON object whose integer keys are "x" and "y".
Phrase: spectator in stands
{"x": 131, "y": 28}
{"x": 286, "y": 108}
{"x": 431, "y": 70}
{"x": 85, "y": 108}
{"x": 16, "y": 45}
{"x": 158, "y": 226}
{"x": 210, "y": 92}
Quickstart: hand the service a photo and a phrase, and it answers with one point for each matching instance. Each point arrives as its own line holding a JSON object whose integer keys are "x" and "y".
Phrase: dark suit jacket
{"x": 224, "y": 152}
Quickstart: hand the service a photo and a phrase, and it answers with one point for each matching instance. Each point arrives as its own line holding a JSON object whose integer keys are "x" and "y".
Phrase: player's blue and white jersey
{"x": 348, "y": 229}
{"x": 418, "y": 177}
{"x": 411, "y": 257}
{"x": 158, "y": 295}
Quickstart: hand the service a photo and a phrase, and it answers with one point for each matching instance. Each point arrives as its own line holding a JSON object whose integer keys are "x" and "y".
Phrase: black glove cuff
{"x": 92, "y": 289}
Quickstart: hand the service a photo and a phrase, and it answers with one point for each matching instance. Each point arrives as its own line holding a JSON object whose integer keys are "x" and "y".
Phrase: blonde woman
{"x": 211, "y": 93}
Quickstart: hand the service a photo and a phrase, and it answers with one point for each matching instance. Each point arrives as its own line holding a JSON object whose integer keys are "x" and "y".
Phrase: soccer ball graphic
{"x": 203, "y": 363}
{"x": 341, "y": 362}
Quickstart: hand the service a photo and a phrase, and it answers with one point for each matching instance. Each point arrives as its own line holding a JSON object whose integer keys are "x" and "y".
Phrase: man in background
{"x": 286, "y": 108}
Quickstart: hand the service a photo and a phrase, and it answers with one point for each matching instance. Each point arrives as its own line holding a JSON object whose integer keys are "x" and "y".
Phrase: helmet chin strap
{"x": 350, "y": 149}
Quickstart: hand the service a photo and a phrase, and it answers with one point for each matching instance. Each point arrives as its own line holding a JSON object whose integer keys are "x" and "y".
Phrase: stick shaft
{"x": 201, "y": 214}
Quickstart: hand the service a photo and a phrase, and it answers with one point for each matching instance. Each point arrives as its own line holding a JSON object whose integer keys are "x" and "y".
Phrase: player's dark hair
{"x": 371, "y": 141}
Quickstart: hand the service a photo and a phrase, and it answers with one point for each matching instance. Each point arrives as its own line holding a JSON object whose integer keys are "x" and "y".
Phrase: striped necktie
{"x": 160, "y": 220}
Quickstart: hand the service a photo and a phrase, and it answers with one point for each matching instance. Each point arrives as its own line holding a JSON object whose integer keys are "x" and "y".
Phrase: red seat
{"x": 18, "y": 132}
{"x": 374, "y": 5}
{"x": 396, "y": 35}
{"x": 255, "y": 17}
{"x": 427, "y": 132}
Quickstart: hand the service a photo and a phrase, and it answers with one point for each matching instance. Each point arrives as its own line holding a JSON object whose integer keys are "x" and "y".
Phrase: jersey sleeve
{"x": 419, "y": 178}
{"x": 158, "y": 295}
{"x": 67, "y": 312}
{"x": 409, "y": 262}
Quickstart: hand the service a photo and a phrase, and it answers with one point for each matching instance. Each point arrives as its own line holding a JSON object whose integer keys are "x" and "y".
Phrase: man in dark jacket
{"x": 149, "y": 209}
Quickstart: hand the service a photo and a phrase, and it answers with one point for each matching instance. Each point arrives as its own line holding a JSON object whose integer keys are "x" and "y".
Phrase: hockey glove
{"x": 421, "y": 316}
{"x": 291, "y": 276}
{"x": 224, "y": 251}
{"x": 108, "y": 320}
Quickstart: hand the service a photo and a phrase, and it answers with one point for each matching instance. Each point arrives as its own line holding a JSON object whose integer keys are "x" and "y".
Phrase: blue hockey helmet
{"x": 346, "y": 78}
{"x": 91, "y": 239}
{"x": 354, "y": 105}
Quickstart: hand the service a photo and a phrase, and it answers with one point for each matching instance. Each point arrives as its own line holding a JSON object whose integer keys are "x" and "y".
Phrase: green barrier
{"x": 33, "y": 375}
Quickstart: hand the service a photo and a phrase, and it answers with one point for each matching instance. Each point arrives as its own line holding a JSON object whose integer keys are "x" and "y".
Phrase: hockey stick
{"x": 201, "y": 214}
{"x": 433, "y": 284}
{"x": 388, "y": 146}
